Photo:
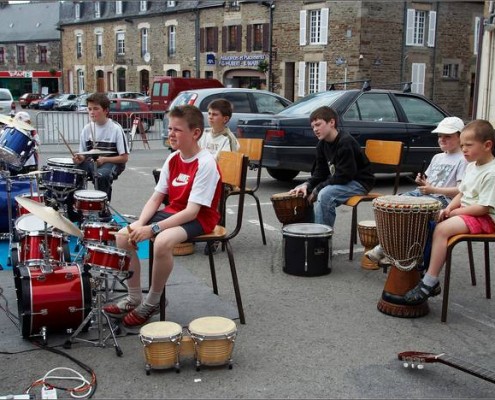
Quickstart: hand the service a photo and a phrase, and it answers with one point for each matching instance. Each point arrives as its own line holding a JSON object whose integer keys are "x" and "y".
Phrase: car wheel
{"x": 285, "y": 175}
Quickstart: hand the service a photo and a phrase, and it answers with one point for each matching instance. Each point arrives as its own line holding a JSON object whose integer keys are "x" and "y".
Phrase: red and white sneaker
{"x": 121, "y": 308}
{"x": 140, "y": 315}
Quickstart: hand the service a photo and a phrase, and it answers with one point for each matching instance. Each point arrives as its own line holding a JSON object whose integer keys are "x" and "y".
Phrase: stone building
{"x": 29, "y": 48}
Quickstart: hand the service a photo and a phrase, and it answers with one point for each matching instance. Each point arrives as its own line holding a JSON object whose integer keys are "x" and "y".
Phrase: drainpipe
{"x": 197, "y": 42}
{"x": 403, "y": 49}
{"x": 435, "y": 55}
{"x": 270, "y": 49}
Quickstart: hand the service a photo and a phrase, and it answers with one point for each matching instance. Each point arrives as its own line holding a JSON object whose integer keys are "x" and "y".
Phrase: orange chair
{"x": 469, "y": 238}
{"x": 382, "y": 152}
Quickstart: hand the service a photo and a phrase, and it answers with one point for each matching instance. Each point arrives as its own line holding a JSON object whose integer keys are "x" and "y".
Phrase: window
{"x": 97, "y": 9}
{"x": 144, "y": 41}
{"x": 316, "y": 77}
{"x": 120, "y": 43}
{"x": 450, "y": 71}
{"x": 257, "y": 37}
{"x": 21, "y": 54}
{"x": 209, "y": 74}
{"x": 171, "y": 3}
{"x": 80, "y": 80}
{"x": 2, "y": 55}
{"x": 313, "y": 27}
{"x": 79, "y": 46}
{"x": 43, "y": 53}
{"x": 99, "y": 45}
{"x": 211, "y": 39}
{"x": 232, "y": 38}
{"x": 77, "y": 10}
{"x": 376, "y": 107}
{"x": 268, "y": 103}
{"x": 419, "y": 111}
{"x": 416, "y": 27}
{"x": 418, "y": 78}
{"x": 118, "y": 7}
{"x": 172, "y": 49}
{"x": 143, "y": 5}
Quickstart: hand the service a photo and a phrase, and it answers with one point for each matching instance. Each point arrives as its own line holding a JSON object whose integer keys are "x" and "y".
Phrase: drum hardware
{"x": 97, "y": 316}
{"x": 94, "y": 154}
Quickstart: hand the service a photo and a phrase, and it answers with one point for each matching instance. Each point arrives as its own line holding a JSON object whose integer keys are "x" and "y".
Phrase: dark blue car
{"x": 365, "y": 114}
{"x": 48, "y": 102}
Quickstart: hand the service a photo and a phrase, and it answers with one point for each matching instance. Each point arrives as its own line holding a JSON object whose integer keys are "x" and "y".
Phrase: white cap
{"x": 23, "y": 116}
{"x": 449, "y": 125}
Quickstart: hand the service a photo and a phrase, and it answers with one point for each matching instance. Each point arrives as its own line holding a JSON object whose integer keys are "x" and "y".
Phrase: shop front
{"x": 20, "y": 82}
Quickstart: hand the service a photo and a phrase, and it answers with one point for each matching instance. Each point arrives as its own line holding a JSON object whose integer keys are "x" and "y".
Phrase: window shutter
{"x": 410, "y": 27}
{"x": 202, "y": 40}
{"x": 239, "y": 38}
{"x": 477, "y": 22}
{"x": 432, "y": 23}
{"x": 322, "y": 74}
{"x": 302, "y": 28}
{"x": 215, "y": 38}
{"x": 324, "y": 26}
{"x": 302, "y": 77}
{"x": 418, "y": 78}
{"x": 249, "y": 38}
{"x": 224, "y": 39}
{"x": 266, "y": 37}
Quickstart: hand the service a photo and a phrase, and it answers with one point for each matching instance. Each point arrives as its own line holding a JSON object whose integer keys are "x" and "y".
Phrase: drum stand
{"x": 5, "y": 173}
{"x": 98, "y": 315}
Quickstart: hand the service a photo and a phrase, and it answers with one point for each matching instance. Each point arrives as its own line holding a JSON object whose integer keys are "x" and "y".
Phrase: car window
{"x": 182, "y": 98}
{"x": 5, "y": 96}
{"x": 376, "y": 107}
{"x": 126, "y": 106}
{"x": 308, "y": 104}
{"x": 268, "y": 104}
{"x": 240, "y": 102}
{"x": 419, "y": 111}
{"x": 113, "y": 106}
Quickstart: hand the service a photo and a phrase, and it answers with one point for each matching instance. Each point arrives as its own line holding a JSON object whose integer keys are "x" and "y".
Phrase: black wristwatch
{"x": 155, "y": 228}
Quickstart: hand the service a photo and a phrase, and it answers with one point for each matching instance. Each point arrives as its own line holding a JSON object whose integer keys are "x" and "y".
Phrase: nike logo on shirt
{"x": 180, "y": 180}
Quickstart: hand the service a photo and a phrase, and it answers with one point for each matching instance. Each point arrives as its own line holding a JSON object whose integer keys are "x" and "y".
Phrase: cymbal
{"x": 50, "y": 216}
{"x": 94, "y": 152}
{"x": 24, "y": 126}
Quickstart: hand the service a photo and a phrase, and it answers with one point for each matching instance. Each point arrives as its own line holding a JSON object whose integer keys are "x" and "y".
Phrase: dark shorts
{"x": 192, "y": 228}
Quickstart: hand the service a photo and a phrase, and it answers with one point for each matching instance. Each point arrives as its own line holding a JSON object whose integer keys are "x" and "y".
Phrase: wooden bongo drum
{"x": 161, "y": 342}
{"x": 402, "y": 225}
{"x": 369, "y": 238}
{"x": 289, "y": 208}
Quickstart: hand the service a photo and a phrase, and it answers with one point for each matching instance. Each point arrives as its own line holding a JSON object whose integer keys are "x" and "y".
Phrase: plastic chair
{"x": 469, "y": 238}
{"x": 233, "y": 167}
{"x": 381, "y": 152}
{"x": 253, "y": 148}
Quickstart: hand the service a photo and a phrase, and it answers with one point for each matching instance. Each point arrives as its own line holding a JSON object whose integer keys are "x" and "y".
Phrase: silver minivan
{"x": 7, "y": 104}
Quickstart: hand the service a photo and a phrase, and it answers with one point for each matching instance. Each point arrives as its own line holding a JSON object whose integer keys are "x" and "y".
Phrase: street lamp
{"x": 342, "y": 61}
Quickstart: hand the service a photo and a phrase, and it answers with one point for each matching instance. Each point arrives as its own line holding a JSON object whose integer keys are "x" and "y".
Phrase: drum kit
{"x": 55, "y": 294}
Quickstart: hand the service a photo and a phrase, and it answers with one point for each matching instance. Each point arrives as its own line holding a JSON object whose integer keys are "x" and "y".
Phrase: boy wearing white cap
{"x": 32, "y": 162}
{"x": 443, "y": 175}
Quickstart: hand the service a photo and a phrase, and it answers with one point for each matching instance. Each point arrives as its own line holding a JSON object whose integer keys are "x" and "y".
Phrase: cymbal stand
{"x": 8, "y": 188}
{"x": 97, "y": 315}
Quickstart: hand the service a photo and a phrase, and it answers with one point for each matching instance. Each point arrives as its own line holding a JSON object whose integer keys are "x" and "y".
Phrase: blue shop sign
{"x": 210, "y": 59}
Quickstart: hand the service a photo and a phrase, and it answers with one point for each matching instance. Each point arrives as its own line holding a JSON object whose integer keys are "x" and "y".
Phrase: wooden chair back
{"x": 386, "y": 152}
{"x": 253, "y": 148}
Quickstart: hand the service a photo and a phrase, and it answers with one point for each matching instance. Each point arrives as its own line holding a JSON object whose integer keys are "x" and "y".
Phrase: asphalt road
{"x": 304, "y": 337}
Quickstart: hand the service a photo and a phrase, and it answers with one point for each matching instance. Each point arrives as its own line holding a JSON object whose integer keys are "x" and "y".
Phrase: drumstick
{"x": 132, "y": 242}
{"x": 65, "y": 142}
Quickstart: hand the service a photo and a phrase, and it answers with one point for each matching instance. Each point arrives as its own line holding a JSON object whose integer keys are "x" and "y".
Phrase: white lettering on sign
{"x": 21, "y": 74}
{"x": 243, "y": 60}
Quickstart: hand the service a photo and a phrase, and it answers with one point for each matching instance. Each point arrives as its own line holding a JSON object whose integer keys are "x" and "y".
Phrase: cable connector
{"x": 48, "y": 393}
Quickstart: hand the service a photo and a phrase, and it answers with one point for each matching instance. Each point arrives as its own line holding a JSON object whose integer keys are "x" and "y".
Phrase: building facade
{"x": 30, "y": 56}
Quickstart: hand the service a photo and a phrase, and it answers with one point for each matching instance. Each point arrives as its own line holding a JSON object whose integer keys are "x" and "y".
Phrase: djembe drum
{"x": 289, "y": 208}
{"x": 402, "y": 225}
{"x": 369, "y": 238}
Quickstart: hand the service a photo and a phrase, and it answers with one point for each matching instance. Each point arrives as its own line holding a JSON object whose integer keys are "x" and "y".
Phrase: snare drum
{"x": 369, "y": 238}
{"x": 39, "y": 197}
{"x": 107, "y": 258}
{"x": 402, "y": 224}
{"x": 57, "y": 301}
{"x": 16, "y": 147}
{"x": 90, "y": 201}
{"x": 100, "y": 231}
{"x": 307, "y": 250}
{"x": 36, "y": 246}
{"x": 214, "y": 339}
{"x": 161, "y": 342}
{"x": 63, "y": 174}
{"x": 289, "y": 208}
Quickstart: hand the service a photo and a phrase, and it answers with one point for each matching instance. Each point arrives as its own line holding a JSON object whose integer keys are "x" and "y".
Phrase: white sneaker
{"x": 375, "y": 254}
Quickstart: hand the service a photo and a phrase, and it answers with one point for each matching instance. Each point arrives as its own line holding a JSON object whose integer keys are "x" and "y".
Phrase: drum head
{"x": 307, "y": 229}
{"x": 407, "y": 202}
{"x": 61, "y": 162}
{"x": 90, "y": 195}
{"x": 97, "y": 225}
{"x": 30, "y": 223}
{"x": 160, "y": 330}
{"x": 367, "y": 224}
{"x": 107, "y": 249}
{"x": 212, "y": 326}
{"x": 282, "y": 196}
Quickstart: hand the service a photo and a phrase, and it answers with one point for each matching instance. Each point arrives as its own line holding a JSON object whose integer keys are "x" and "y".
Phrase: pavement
{"x": 304, "y": 337}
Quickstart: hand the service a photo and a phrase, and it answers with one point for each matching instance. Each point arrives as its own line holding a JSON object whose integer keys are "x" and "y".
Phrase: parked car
{"x": 81, "y": 103}
{"x": 246, "y": 103}
{"x": 365, "y": 114}
{"x": 7, "y": 104}
{"x": 127, "y": 95}
{"x": 124, "y": 110}
{"x": 65, "y": 102}
{"x": 27, "y": 98}
{"x": 35, "y": 104}
{"x": 48, "y": 102}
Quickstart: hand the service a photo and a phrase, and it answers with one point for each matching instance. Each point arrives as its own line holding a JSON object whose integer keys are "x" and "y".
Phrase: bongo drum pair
{"x": 209, "y": 339}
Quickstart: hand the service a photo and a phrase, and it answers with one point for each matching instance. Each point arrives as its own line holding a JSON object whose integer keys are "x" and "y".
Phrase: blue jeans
{"x": 416, "y": 193}
{"x": 332, "y": 196}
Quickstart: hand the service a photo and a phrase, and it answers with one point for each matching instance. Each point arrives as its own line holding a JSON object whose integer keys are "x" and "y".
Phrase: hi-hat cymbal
{"x": 18, "y": 124}
{"x": 94, "y": 152}
{"x": 50, "y": 216}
